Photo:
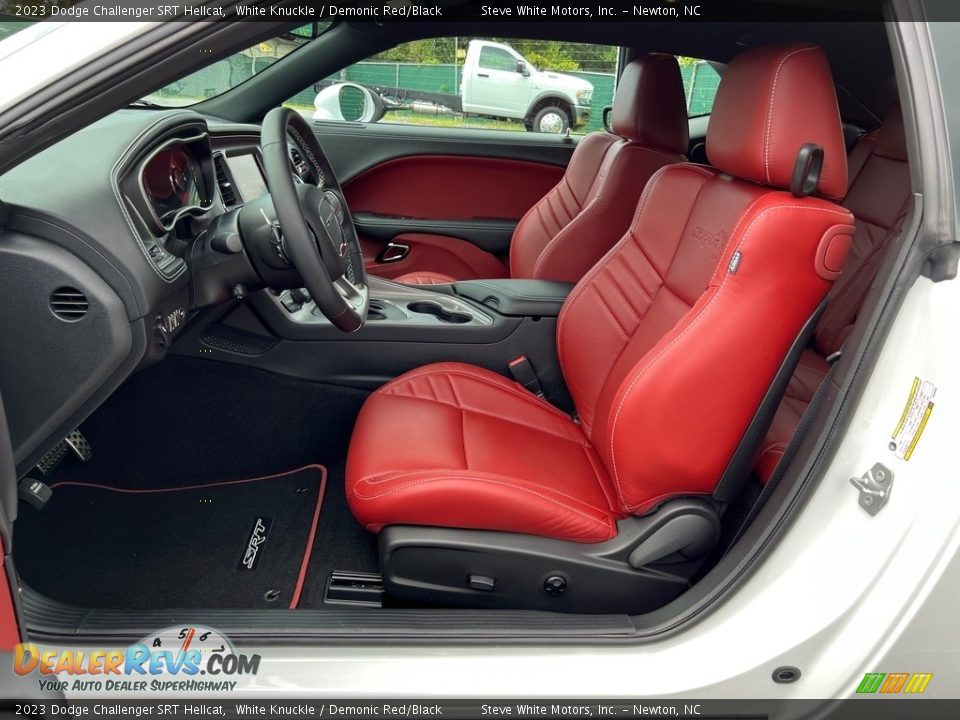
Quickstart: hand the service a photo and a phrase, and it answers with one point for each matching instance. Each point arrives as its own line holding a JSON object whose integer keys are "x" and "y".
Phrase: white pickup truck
{"x": 496, "y": 82}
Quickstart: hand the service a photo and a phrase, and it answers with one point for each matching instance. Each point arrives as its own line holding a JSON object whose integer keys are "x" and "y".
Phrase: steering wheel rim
{"x": 319, "y": 236}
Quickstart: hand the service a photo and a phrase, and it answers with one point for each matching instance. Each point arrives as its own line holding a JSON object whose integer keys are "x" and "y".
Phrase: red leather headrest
{"x": 772, "y": 101}
{"x": 892, "y": 141}
{"x": 650, "y": 106}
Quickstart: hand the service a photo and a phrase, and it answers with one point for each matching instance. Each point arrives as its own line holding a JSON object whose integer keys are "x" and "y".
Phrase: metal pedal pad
{"x": 74, "y": 441}
{"x": 78, "y": 443}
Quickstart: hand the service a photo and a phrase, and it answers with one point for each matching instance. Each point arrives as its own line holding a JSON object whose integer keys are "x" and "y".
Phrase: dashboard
{"x": 121, "y": 215}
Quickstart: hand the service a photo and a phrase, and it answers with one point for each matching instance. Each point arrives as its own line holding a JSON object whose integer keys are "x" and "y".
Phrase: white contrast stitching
{"x": 773, "y": 95}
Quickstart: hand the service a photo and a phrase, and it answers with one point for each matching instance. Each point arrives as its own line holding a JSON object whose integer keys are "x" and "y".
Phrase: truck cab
{"x": 498, "y": 81}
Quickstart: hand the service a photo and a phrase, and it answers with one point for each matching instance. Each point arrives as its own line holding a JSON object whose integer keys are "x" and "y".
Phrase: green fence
{"x": 700, "y": 81}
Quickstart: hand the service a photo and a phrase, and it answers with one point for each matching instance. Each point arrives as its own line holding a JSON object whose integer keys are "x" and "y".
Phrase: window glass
{"x": 469, "y": 82}
{"x": 227, "y": 73}
{"x": 487, "y": 83}
{"x": 494, "y": 58}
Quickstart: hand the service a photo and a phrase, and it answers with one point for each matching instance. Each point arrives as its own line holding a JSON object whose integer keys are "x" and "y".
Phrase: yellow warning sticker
{"x": 914, "y": 419}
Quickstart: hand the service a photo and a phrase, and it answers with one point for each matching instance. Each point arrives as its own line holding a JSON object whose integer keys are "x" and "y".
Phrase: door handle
{"x": 483, "y": 75}
{"x": 393, "y": 252}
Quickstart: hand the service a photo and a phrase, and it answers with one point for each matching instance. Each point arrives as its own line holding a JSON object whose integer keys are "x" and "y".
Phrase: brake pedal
{"x": 74, "y": 441}
{"x": 35, "y": 492}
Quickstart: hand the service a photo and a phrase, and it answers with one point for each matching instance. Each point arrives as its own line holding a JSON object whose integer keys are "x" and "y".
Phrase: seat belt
{"x": 803, "y": 427}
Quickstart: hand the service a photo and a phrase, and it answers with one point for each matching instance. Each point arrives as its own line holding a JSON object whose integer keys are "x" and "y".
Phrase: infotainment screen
{"x": 246, "y": 174}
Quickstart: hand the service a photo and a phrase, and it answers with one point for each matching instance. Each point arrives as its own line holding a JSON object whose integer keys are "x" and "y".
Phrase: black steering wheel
{"x": 318, "y": 232}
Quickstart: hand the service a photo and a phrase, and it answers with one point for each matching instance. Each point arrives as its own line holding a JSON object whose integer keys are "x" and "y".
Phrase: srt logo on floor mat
{"x": 258, "y": 536}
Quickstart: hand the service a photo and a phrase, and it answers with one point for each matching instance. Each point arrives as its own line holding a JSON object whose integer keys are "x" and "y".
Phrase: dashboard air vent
{"x": 68, "y": 303}
{"x": 225, "y": 182}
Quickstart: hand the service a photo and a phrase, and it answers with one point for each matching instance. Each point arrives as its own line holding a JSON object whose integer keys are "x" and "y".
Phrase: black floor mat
{"x": 188, "y": 421}
{"x": 341, "y": 543}
{"x": 175, "y": 548}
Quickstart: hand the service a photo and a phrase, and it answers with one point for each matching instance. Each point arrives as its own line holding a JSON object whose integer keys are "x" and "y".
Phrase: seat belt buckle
{"x": 521, "y": 370}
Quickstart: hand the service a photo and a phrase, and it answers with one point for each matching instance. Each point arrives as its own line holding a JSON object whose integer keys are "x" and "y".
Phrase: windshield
{"x": 229, "y": 72}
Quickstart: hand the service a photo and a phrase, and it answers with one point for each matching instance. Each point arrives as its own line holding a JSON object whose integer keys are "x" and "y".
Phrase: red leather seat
{"x": 572, "y": 226}
{"x": 879, "y": 198}
{"x": 667, "y": 345}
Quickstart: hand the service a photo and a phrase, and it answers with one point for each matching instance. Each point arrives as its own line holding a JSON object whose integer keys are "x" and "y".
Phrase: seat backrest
{"x": 670, "y": 342}
{"x": 572, "y": 226}
{"x": 880, "y": 199}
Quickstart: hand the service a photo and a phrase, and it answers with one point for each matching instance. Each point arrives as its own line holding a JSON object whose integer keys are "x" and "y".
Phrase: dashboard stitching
{"x": 115, "y": 186}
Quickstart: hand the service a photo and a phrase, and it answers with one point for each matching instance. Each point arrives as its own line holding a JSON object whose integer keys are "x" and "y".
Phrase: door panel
{"x": 452, "y": 196}
{"x": 451, "y": 187}
{"x": 436, "y": 253}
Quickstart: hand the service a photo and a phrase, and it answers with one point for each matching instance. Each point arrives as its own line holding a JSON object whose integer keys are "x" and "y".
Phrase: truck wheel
{"x": 551, "y": 119}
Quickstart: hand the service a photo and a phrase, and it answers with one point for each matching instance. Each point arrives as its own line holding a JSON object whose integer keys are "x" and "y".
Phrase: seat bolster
{"x": 475, "y": 500}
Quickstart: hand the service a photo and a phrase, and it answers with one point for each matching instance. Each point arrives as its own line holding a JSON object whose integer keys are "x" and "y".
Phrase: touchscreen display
{"x": 246, "y": 174}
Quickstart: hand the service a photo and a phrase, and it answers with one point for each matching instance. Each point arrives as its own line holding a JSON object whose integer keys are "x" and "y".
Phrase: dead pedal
{"x": 353, "y": 588}
{"x": 35, "y": 492}
{"x": 74, "y": 441}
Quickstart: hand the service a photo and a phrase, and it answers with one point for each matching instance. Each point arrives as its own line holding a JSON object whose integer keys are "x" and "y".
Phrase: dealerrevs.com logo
{"x": 177, "y": 659}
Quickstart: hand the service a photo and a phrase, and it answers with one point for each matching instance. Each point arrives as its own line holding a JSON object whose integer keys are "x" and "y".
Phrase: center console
{"x": 482, "y": 322}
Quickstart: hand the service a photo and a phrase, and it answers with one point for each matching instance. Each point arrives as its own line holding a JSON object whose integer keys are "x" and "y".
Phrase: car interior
{"x": 314, "y": 378}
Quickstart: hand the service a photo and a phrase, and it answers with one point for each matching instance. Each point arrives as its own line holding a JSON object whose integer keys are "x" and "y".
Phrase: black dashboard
{"x": 117, "y": 214}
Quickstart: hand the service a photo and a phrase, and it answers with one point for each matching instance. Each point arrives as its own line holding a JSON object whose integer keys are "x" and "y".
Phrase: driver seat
{"x": 668, "y": 346}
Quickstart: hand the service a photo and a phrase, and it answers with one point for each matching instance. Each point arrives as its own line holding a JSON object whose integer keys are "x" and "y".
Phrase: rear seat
{"x": 879, "y": 197}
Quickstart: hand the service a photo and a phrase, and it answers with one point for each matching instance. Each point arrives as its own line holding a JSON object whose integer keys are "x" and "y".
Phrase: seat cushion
{"x": 454, "y": 445}
{"x": 425, "y": 277}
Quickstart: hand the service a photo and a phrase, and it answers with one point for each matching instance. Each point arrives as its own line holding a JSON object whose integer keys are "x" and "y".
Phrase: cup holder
{"x": 431, "y": 308}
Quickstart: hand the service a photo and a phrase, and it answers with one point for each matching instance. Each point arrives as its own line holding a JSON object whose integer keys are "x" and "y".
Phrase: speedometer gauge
{"x": 174, "y": 182}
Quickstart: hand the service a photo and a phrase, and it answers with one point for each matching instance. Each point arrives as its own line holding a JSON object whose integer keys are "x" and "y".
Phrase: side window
{"x": 700, "y": 82}
{"x": 470, "y": 82}
{"x": 494, "y": 58}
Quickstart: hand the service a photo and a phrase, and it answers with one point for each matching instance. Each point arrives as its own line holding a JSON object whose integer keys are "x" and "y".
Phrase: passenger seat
{"x": 574, "y": 225}
{"x": 879, "y": 198}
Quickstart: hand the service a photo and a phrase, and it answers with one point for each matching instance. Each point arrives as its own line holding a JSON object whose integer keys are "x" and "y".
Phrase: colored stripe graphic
{"x": 918, "y": 682}
{"x": 871, "y": 682}
{"x": 894, "y": 683}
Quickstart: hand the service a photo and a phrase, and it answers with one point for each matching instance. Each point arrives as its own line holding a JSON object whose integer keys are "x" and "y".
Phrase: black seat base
{"x": 649, "y": 563}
